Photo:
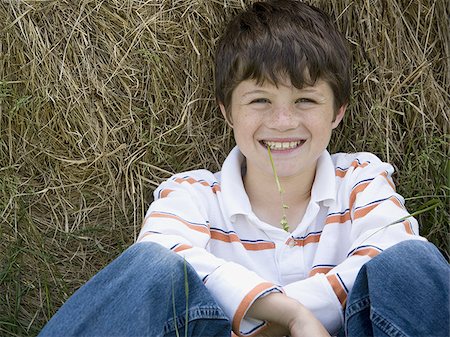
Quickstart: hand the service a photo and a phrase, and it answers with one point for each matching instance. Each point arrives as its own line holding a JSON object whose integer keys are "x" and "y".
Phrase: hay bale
{"x": 100, "y": 101}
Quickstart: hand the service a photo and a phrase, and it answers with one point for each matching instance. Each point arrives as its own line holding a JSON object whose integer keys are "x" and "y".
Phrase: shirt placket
{"x": 291, "y": 258}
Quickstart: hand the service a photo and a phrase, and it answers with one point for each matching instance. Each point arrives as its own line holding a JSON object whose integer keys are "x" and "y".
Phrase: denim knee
{"x": 155, "y": 253}
{"x": 160, "y": 266}
{"x": 174, "y": 276}
{"x": 152, "y": 263}
{"x": 404, "y": 289}
{"x": 409, "y": 252}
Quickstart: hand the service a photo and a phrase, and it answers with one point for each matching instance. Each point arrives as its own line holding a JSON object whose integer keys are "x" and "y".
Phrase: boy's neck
{"x": 266, "y": 200}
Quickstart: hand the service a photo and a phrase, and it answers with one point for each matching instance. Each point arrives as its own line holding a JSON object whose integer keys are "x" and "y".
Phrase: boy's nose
{"x": 282, "y": 119}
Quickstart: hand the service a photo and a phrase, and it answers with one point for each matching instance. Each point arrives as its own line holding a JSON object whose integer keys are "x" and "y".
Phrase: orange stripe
{"x": 385, "y": 175}
{"x": 164, "y": 193}
{"x": 408, "y": 227}
{"x": 232, "y": 237}
{"x": 338, "y": 289}
{"x": 363, "y": 211}
{"x": 320, "y": 270}
{"x": 181, "y": 248}
{"x": 258, "y": 245}
{"x": 338, "y": 218}
{"x": 341, "y": 173}
{"x": 198, "y": 228}
{"x": 397, "y": 202}
{"x": 304, "y": 241}
{"x": 215, "y": 188}
{"x": 362, "y": 187}
{"x": 355, "y": 191}
{"x": 245, "y": 304}
{"x": 367, "y": 252}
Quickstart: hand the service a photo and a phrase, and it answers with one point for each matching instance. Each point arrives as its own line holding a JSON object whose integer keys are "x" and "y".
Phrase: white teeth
{"x": 282, "y": 145}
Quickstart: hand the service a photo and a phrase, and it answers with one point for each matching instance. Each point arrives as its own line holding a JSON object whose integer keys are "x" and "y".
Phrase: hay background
{"x": 101, "y": 100}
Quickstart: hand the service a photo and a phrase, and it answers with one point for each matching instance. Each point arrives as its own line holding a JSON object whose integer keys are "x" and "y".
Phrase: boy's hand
{"x": 286, "y": 317}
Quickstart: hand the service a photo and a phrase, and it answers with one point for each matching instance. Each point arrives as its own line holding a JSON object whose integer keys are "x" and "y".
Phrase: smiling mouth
{"x": 279, "y": 146}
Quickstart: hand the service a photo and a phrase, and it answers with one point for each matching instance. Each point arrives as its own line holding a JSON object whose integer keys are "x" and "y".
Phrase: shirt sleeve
{"x": 374, "y": 219}
{"x": 178, "y": 220}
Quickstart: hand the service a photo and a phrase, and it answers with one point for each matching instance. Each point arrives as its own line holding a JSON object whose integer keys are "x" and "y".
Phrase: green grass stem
{"x": 426, "y": 207}
{"x": 283, "y": 222}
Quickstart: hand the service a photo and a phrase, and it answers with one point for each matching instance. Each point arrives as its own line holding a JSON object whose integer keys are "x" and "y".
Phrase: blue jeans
{"x": 141, "y": 293}
{"x": 402, "y": 292}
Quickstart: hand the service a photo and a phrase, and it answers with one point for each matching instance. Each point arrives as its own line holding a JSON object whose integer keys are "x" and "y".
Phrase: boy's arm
{"x": 374, "y": 221}
{"x": 178, "y": 219}
{"x": 286, "y": 316}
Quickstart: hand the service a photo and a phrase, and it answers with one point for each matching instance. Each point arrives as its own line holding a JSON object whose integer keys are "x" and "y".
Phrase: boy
{"x": 282, "y": 84}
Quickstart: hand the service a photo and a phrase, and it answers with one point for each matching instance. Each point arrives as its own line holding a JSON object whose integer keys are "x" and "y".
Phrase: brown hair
{"x": 282, "y": 38}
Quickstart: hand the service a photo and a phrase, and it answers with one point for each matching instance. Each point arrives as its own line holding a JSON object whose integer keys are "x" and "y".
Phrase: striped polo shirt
{"x": 354, "y": 214}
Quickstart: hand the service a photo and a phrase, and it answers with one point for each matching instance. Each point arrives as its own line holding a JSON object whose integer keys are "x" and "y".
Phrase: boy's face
{"x": 295, "y": 123}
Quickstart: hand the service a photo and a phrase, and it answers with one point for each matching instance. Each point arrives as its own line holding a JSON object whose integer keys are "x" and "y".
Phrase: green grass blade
{"x": 186, "y": 292}
{"x": 174, "y": 310}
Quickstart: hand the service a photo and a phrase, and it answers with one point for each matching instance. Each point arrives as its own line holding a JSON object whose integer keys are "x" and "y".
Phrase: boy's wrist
{"x": 277, "y": 308}
{"x": 286, "y": 316}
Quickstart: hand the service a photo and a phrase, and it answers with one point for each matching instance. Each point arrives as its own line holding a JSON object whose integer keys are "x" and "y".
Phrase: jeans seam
{"x": 384, "y": 325}
{"x": 194, "y": 314}
{"x": 353, "y": 309}
{"x": 357, "y": 306}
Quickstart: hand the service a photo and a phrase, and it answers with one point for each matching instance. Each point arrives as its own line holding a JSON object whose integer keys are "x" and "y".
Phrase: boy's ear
{"x": 224, "y": 113}
{"x": 339, "y": 115}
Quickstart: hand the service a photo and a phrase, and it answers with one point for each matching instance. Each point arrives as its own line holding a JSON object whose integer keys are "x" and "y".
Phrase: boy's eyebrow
{"x": 262, "y": 91}
{"x": 308, "y": 89}
{"x": 256, "y": 91}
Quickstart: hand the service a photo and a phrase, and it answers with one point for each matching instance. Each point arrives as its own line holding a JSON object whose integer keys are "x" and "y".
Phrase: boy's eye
{"x": 305, "y": 100}
{"x": 260, "y": 101}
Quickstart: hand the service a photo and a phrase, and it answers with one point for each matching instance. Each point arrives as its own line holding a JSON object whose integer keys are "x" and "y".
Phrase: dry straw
{"x": 101, "y": 100}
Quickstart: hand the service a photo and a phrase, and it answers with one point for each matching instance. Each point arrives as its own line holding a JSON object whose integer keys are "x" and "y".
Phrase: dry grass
{"x": 101, "y": 100}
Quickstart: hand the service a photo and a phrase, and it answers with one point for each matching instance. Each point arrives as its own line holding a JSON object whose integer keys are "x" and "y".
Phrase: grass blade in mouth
{"x": 283, "y": 222}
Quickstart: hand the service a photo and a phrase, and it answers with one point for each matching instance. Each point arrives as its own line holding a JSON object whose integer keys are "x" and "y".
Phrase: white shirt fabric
{"x": 354, "y": 214}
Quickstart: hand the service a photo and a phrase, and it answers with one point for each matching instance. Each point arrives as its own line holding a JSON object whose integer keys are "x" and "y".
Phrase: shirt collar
{"x": 232, "y": 186}
{"x": 236, "y": 199}
{"x": 324, "y": 186}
